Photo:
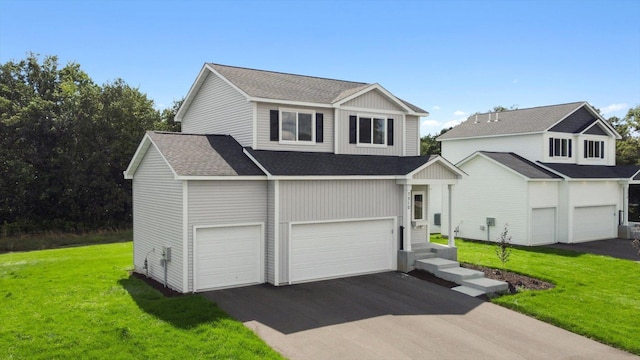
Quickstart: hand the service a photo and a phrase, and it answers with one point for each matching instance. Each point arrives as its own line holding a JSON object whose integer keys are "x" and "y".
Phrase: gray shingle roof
{"x": 204, "y": 155}
{"x": 520, "y": 165}
{"x": 519, "y": 121}
{"x": 283, "y": 86}
{"x": 294, "y": 163}
{"x": 594, "y": 171}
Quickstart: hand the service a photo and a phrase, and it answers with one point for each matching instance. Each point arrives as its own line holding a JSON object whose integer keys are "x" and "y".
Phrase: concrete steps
{"x": 472, "y": 282}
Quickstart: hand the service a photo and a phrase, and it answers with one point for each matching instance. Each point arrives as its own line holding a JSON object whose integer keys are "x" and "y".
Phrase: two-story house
{"x": 548, "y": 172}
{"x": 281, "y": 178}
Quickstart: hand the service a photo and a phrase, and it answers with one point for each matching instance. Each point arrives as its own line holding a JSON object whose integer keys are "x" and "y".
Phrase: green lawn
{"x": 595, "y": 296}
{"x": 81, "y": 303}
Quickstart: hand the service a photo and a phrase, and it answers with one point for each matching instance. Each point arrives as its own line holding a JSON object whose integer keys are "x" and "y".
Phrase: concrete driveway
{"x": 394, "y": 316}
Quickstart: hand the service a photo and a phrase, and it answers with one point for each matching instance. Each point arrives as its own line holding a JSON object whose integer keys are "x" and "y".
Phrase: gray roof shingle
{"x": 283, "y": 86}
{"x": 575, "y": 171}
{"x": 204, "y": 155}
{"x": 294, "y": 163}
{"x": 520, "y": 165}
{"x": 519, "y": 121}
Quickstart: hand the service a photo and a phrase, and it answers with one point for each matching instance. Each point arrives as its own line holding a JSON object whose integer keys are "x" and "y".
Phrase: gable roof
{"x": 520, "y": 121}
{"x": 574, "y": 171}
{"x": 262, "y": 85}
{"x": 295, "y": 163}
{"x": 195, "y": 155}
{"x": 520, "y": 165}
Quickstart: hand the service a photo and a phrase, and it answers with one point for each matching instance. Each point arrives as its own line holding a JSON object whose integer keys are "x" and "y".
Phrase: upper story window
{"x": 296, "y": 126}
{"x": 560, "y": 147}
{"x": 593, "y": 149}
{"x": 370, "y": 130}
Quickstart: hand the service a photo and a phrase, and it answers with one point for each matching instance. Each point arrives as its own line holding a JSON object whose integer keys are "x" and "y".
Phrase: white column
{"x": 625, "y": 204}
{"x": 407, "y": 217}
{"x": 452, "y": 241}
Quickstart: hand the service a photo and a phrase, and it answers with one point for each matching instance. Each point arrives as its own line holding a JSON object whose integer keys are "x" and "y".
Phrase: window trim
{"x": 568, "y": 154}
{"x": 297, "y": 112}
{"x": 372, "y": 117}
{"x": 413, "y": 206}
{"x": 593, "y": 152}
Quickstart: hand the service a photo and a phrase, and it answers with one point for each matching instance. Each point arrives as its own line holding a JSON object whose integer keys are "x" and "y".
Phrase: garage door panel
{"x": 325, "y": 250}
{"x": 227, "y": 256}
{"x": 594, "y": 223}
{"x": 543, "y": 226}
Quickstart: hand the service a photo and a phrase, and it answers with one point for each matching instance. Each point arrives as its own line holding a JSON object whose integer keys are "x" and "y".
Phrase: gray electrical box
{"x": 166, "y": 253}
{"x": 436, "y": 219}
{"x": 491, "y": 221}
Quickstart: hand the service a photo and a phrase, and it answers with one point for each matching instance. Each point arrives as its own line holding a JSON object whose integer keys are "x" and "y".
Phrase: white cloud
{"x": 459, "y": 113}
{"x": 430, "y": 123}
{"x": 452, "y": 123}
{"x": 436, "y": 107}
{"x": 613, "y": 108}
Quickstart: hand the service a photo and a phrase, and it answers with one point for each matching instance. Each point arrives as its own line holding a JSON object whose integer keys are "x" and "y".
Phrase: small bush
{"x": 503, "y": 247}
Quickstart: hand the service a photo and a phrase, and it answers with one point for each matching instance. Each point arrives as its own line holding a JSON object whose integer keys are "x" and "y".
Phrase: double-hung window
{"x": 559, "y": 147}
{"x": 297, "y": 126}
{"x": 372, "y": 130}
{"x": 593, "y": 149}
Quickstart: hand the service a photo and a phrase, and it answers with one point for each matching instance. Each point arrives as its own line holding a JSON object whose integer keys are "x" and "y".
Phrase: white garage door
{"x": 594, "y": 223}
{"x": 338, "y": 249}
{"x": 227, "y": 256}
{"x": 543, "y": 226}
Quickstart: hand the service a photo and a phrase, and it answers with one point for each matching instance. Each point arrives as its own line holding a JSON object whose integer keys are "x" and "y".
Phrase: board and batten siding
{"x": 412, "y": 136}
{"x": 218, "y": 108}
{"x": 343, "y": 135}
{"x": 490, "y": 191}
{"x": 529, "y": 146}
{"x": 373, "y": 100}
{"x": 325, "y": 200}
{"x": 225, "y": 202}
{"x": 157, "y": 219}
{"x": 263, "y": 130}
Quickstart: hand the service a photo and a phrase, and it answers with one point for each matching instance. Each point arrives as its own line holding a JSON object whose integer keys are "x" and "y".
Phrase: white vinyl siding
{"x": 263, "y": 130}
{"x": 490, "y": 191}
{"x": 530, "y": 147}
{"x": 157, "y": 219}
{"x": 373, "y": 100}
{"x": 218, "y": 108}
{"x": 224, "y": 203}
{"x": 412, "y": 136}
{"x": 343, "y": 136}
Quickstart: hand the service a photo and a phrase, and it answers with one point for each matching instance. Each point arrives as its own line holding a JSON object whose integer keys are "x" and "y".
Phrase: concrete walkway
{"x": 618, "y": 248}
{"x": 394, "y": 316}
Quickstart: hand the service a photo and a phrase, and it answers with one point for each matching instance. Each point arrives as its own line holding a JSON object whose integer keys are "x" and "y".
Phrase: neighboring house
{"x": 281, "y": 178}
{"x": 548, "y": 172}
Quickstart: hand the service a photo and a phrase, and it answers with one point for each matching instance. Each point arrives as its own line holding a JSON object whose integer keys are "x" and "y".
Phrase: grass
{"x": 595, "y": 296}
{"x": 53, "y": 240}
{"x": 81, "y": 303}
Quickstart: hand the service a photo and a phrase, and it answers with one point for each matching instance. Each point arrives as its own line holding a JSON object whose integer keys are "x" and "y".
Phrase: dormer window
{"x": 560, "y": 147}
{"x": 297, "y": 126}
{"x": 593, "y": 149}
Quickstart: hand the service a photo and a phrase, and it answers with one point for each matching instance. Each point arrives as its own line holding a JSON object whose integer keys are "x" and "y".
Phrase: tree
{"x": 167, "y": 118}
{"x": 429, "y": 145}
{"x": 64, "y": 142}
{"x": 500, "y": 108}
{"x": 628, "y": 148}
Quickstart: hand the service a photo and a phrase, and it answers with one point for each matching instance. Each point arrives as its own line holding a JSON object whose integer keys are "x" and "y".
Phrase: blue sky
{"x": 452, "y": 58}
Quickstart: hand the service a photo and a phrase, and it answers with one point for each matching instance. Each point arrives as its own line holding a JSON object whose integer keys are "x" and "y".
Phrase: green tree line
{"x": 64, "y": 143}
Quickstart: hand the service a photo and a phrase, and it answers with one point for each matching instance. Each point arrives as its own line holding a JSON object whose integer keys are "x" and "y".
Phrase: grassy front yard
{"x": 595, "y": 296}
{"x": 81, "y": 303}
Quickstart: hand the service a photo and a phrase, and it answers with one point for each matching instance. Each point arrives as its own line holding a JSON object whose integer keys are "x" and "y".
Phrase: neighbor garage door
{"x": 337, "y": 249}
{"x": 543, "y": 226}
{"x": 594, "y": 223}
{"x": 227, "y": 256}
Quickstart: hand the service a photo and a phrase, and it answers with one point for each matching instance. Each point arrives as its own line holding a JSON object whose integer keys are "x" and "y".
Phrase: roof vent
{"x": 496, "y": 117}
{"x": 489, "y": 118}
{"x": 475, "y": 122}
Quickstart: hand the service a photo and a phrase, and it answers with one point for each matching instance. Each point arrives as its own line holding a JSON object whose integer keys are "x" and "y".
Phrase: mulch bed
{"x": 167, "y": 292}
{"x": 517, "y": 282}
